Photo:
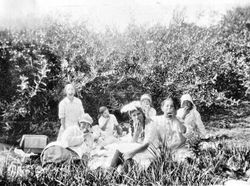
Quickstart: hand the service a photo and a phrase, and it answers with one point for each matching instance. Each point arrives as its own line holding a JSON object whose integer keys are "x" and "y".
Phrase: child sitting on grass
{"x": 191, "y": 118}
{"x": 108, "y": 122}
{"x": 138, "y": 122}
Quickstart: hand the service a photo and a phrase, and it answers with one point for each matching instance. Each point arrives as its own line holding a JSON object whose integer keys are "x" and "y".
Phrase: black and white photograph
{"x": 125, "y": 92}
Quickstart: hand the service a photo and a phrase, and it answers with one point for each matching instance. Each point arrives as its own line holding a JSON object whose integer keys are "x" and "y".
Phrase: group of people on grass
{"x": 107, "y": 145}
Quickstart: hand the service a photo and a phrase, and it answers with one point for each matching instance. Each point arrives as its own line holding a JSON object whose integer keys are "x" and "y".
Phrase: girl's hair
{"x": 131, "y": 121}
{"x": 174, "y": 99}
{"x": 102, "y": 109}
{"x": 67, "y": 86}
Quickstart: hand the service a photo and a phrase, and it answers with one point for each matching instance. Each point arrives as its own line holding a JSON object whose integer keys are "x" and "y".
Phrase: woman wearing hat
{"x": 146, "y": 105}
{"x": 191, "y": 117}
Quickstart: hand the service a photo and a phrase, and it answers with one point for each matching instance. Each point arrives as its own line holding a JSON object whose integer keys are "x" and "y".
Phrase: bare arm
{"x": 136, "y": 132}
{"x": 104, "y": 125}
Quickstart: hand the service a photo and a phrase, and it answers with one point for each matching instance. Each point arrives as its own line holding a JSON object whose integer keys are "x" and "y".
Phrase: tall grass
{"x": 209, "y": 166}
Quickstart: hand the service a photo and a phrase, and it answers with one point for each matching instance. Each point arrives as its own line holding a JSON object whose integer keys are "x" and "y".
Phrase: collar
{"x": 68, "y": 100}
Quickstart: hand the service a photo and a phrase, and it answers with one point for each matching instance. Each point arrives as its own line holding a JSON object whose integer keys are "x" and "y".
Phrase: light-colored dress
{"x": 166, "y": 131}
{"x": 193, "y": 123}
{"x": 71, "y": 111}
{"x": 110, "y": 125}
{"x": 160, "y": 130}
{"x": 169, "y": 133}
{"x": 102, "y": 157}
{"x": 151, "y": 113}
{"x": 72, "y": 140}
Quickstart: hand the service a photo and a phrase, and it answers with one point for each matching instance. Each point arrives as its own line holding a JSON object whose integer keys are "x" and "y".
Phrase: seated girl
{"x": 138, "y": 122}
{"x": 107, "y": 122}
{"x": 191, "y": 118}
{"x": 146, "y": 104}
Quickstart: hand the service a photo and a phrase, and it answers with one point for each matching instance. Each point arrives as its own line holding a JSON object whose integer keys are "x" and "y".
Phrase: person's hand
{"x": 185, "y": 112}
{"x": 127, "y": 156}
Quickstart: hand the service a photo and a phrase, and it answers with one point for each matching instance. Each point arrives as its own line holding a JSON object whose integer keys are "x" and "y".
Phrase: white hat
{"x": 86, "y": 118}
{"x": 134, "y": 105}
{"x": 146, "y": 96}
{"x": 186, "y": 97}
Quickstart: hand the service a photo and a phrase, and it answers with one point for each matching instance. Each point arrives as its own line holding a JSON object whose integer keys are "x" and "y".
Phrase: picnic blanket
{"x": 101, "y": 158}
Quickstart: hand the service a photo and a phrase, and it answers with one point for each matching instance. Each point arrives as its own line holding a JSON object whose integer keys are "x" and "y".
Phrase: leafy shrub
{"x": 113, "y": 68}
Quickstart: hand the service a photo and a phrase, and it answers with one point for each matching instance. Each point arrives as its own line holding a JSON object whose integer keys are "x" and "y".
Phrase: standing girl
{"x": 70, "y": 110}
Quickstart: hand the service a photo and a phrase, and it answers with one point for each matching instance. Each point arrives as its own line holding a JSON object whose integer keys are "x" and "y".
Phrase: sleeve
{"x": 81, "y": 108}
{"x": 181, "y": 128}
{"x": 151, "y": 134}
{"x": 152, "y": 112}
{"x": 179, "y": 113}
{"x": 101, "y": 122}
{"x": 199, "y": 123}
{"x": 61, "y": 110}
{"x": 115, "y": 121}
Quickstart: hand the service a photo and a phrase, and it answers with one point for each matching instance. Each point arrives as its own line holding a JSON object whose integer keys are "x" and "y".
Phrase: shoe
{"x": 117, "y": 159}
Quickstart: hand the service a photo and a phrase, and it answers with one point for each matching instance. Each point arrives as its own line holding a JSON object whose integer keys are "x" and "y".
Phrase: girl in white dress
{"x": 70, "y": 110}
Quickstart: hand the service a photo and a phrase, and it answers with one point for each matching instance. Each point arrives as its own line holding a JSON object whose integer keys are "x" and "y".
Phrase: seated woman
{"x": 107, "y": 122}
{"x": 165, "y": 130}
{"x": 146, "y": 104}
{"x": 191, "y": 117}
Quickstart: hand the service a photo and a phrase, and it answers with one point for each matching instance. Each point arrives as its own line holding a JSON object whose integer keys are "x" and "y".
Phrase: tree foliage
{"x": 113, "y": 68}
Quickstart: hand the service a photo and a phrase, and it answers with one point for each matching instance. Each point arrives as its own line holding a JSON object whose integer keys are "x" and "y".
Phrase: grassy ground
{"x": 225, "y": 155}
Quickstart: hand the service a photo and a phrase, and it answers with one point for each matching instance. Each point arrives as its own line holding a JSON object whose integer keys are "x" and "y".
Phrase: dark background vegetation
{"x": 112, "y": 68}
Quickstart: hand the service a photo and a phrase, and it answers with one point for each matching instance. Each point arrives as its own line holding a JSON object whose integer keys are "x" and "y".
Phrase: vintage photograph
{"x": 125, "y": 92}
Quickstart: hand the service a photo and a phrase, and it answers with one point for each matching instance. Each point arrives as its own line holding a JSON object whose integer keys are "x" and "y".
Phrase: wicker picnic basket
{"x": 33, "y": 143}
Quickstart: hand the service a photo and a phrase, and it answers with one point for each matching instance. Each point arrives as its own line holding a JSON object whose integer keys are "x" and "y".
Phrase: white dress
{"x": 71, "y": 111}
{"x": 110, "y": 125}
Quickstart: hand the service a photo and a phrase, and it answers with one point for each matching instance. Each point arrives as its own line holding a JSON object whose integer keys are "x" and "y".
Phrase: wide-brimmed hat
{"x": 86, "y": 118}
{"x": 134, "y": 105}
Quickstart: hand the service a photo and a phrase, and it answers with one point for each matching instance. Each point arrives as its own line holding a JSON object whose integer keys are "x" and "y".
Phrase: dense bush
{"x": 113, "y": 68}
